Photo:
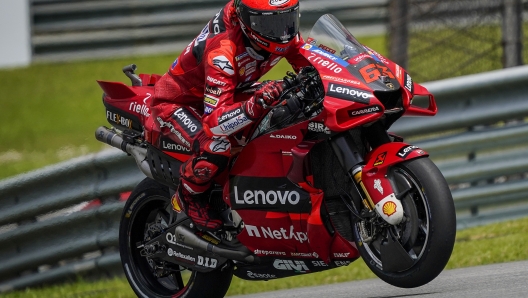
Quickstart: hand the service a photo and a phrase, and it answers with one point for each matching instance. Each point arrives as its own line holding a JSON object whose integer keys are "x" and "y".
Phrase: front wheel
{"x": 415, "y": 251}
{"x": 146, "y": 214}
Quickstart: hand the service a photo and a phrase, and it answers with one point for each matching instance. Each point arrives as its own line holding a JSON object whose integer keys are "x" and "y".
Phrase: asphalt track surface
{"x": 499, "y": 280}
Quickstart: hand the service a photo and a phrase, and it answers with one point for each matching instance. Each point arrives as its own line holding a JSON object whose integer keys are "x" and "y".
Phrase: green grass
{"x": 496, "y": 243}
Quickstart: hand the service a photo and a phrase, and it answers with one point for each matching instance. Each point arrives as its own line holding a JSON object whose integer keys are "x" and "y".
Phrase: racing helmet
{"x": 272, "y": 24}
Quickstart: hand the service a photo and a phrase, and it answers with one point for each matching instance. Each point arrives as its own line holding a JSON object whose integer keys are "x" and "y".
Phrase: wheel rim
{"x": 152, "y": 217}
{"x": 412, "y": 233}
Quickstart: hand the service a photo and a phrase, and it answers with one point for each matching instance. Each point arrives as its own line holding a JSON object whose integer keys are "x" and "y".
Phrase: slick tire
{"x": 149, "y": 200}
{"x": 433, "y": 241}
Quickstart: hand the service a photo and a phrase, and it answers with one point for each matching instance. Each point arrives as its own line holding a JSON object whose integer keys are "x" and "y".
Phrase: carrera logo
{"x": 348, "y": 93}
{"x": 280, "y": 234}
{"x": 403, "y": 152}
{"x": 223, "y": 64}
{"x": 364, "y": 111}
{"x": 278, "y": 2}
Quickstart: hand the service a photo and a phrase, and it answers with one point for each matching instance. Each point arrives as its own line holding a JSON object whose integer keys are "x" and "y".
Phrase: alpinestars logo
{"x": 223, "y": 64}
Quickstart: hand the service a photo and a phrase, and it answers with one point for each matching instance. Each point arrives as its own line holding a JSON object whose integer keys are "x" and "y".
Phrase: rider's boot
{"x": 196, "y": 206}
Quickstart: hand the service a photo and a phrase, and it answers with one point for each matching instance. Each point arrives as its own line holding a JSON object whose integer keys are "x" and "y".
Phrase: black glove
{"x": 267, "y": 93}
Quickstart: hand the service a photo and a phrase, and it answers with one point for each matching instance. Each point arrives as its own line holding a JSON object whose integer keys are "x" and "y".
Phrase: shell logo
{"x": 389, "y": 208}
{"x": 307, "y": 47}
{"x": 176, "y": 204}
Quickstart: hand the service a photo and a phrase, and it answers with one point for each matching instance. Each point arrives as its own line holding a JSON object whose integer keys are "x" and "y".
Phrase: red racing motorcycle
{"x": 317, "y": 182}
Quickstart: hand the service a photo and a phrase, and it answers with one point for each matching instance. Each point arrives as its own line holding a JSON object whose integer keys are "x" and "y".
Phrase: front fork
{"x": 370, "y": 172}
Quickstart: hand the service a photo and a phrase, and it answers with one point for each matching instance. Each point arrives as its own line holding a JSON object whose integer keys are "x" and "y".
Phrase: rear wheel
{"x": 146, "y": 213}
{"x": 415, "y": 251}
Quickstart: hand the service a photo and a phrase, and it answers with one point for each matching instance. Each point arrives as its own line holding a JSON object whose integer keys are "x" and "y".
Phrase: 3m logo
{"x": 372, "y": 72}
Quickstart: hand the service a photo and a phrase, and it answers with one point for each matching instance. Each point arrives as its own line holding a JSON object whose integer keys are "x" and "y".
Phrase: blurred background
{"x": 53, "y": 51}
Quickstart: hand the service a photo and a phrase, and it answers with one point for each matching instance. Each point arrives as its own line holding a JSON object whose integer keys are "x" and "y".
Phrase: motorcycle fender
{"x": 376, "y": 183}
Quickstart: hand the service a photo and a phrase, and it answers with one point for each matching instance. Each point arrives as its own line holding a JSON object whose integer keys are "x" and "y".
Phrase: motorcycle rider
{"x": 200, "y": 102}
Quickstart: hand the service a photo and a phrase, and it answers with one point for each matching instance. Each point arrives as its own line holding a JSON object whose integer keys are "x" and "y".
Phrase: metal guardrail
{"x": 473, "y": 140}
{"x": 73, "y": 29}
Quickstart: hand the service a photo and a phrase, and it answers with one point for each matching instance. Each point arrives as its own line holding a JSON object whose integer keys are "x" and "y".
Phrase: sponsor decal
{"x": 202, "y": 36}
{"x": 318, "y": 127}
{"x": 268, "y": 252}
{"x": 141, "y": 109}
{"x": 223, "y": 64}
{"x": 207, "y": 109}
{"x": 377, "y": 185}
{"x": 372, "y": 72}
{"x": 285, "y": 137}
{"x": 280, "y": 49}
{"x": 341, "y": 254}
{"x": 242, "y": 71}
{"x": 207, "y": 262}
{"x": 241, "y": 56}
{"x": 118, "y": 119}
{"x": 409, "y": 83}
{"x": 210, "y": 239}
{"x": 253, "y": 54}
{"x": 328, "y": 49}
{"x": 213, "y": 90}
{"x": 253, "y": 231}
{"x": 179, "y": 255}
{"x": 341, "y": 80}
{"x": 187, "y": 121}
{"x": 342, "y": 263}
{"x": 251, "y": 70}
{"x": 270, "y": 197}
{"x": 319, "y": 264}
{"x": 231, "y": 125}
{"x": 333, "y": 66}
{"x": 278, "y": 2}
{"x": 260, "y": 275}
{"x": 174, "y": 63}
{"x": 275, "y": 61}
{"x": 217, "y": 27}
{"x": 176, "y": 206}
{"x": 307, "y": 46}
{"x": 211, "y": 101}
{"x": 258, "y": 40}
{"x": 360, "y": 58}
{"x": 174, "y": 131}
{"x": 174, "y": 147}
{"x": 305, "y": 254}
{"x": 380, "y": 159}
{"x": 389, "y": 208}
{"x": 403, "y": 152}
{"x": 297, "y": 266}
{"x": 220, "y": 145}
{"x": 364, "y": 111}
{"x": 229, "y": 115}
{"x": 325, "y": 54}
{"x": 216, "y": 81}
{"x": 348, "y": 93}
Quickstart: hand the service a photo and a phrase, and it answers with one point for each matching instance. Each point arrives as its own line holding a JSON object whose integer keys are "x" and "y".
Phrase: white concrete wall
{"x": 15, "y": 33}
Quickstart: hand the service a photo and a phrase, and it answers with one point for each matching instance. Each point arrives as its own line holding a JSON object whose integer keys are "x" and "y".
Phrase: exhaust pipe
{"x": 189, "y": 238}
{"x": 107, "y": 136}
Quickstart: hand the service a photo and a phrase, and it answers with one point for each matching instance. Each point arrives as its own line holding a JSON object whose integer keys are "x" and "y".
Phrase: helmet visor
{"x": 278, "y": 26}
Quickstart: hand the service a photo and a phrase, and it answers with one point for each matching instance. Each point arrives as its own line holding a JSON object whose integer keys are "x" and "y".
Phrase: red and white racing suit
{"x": 199, "y": 102}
